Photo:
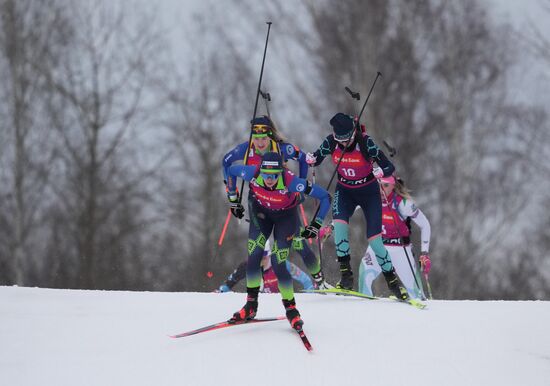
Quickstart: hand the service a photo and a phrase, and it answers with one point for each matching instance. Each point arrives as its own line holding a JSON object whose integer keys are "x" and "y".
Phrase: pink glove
{"x": 425, "y": 262}
{"x": 325, "y": 232}
{"x": 378, "y": 172}
{"x": 310, "y": 159}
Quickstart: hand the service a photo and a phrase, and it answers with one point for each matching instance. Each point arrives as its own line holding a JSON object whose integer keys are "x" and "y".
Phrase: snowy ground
{"x": 67, "y": 337}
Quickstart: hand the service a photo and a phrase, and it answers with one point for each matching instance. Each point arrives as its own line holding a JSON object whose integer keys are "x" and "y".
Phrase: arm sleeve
{"x": 299, "y": 185}
{"x": 236, "y": 276}
{"x": 373, "y": 151}
{"x": 290, "y": 151}
{"x": 237, "y": 154}
{"x": 303, "y": 166}
{"x": 425, "y": 230}
{"x": 299, "y": 275}
{"x": 246, "y": 172}
{"x": 326, "y": 148}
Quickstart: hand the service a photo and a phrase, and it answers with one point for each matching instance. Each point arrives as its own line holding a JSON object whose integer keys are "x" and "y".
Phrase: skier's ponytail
{"x": 401, "y": 189}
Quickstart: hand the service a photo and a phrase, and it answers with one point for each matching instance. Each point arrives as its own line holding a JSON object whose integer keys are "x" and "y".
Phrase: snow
{"x": 71, "y": 337}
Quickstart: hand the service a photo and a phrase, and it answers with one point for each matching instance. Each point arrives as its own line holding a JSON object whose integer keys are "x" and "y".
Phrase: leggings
{"x": 263, "y": 222}
{"x": 343, "y": 206}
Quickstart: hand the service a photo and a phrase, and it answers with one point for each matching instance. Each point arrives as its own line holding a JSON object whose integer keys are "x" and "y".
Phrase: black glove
{"x": 312, "y": 230}
{"x": 236, "y": 208}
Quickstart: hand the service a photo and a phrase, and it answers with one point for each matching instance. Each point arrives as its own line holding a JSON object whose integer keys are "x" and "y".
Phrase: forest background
{"x": 115, "y": 117}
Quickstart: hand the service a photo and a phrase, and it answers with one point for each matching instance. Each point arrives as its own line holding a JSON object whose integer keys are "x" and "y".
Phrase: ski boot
{"x": 395, "y": 286}
{"x": 346, "y": 282}
{"x": 320, "y": 282}
{"x": 250, "y": 308}
{"x": 292, "y": 314}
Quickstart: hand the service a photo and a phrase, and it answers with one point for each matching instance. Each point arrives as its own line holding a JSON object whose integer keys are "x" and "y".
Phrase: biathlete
{"x": 398, "y": 209}
{"x": 266, "y": 138}
{"x": 274, "y": 195}
{"x": 357, "y": 186}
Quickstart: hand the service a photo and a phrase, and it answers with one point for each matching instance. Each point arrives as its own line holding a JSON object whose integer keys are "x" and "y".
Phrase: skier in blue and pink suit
{"x": 266, "y": 138}
{"x": 274, "y": 195}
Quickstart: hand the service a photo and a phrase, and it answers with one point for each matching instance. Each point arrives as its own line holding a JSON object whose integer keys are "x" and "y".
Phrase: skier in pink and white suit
{"x": 397, "y": 212}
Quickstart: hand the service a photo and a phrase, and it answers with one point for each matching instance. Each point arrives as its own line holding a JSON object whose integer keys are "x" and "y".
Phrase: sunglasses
{"x": 386, "y": 185}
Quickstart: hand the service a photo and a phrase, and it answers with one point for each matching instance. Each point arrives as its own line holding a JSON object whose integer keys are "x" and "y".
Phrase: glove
{"x": 378, "y": 172}
{"x": 236, "y": 208}
{"x": 311, "y": 160}
{"x": 224, "y": 288}
{"x": 325, "y": 232}
{"x": 425, "y": 262}
{"x": 312, "y": 230}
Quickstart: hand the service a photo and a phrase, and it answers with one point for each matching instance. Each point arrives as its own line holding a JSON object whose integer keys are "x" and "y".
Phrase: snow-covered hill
{"x": 68, "y": 337}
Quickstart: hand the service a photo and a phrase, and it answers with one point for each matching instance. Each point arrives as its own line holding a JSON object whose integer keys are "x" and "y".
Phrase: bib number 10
{"x": 348, "y": 172}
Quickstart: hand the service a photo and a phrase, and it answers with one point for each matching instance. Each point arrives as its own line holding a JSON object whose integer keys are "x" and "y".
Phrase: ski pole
{"x": 319, "y": 246}
{"x": 357, "y": 126}
{"x": 378, "y": 74}
{"x": 428, "y": 286}
{"x": 245, "y": 160}
{"x": 267, "y": 98}
{"x": 224, "y": 229}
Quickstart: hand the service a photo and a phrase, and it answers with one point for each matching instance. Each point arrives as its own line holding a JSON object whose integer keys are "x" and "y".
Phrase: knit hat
{"x": 271, "y": 163}
{"x": 343, "y": 127}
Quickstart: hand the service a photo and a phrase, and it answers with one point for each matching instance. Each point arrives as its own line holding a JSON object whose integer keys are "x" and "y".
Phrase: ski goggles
{"x": 270, "y": 176}
{"x": 259, "y": 131}
{"x": 345, "y": 139}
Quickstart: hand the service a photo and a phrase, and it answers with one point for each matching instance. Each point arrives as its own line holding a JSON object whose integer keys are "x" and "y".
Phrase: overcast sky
{"x": 177, "y": 15}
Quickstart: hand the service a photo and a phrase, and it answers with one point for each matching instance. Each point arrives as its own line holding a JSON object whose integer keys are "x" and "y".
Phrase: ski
{"x": 220, "y": 325}
{"x": 343, "y": 292}
{"x": 413, "y": 302}
{"x": 304, "y": 339}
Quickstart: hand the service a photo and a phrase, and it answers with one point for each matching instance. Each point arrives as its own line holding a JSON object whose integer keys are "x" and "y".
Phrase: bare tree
{"x": 27, "y": 33}
{"x": 97, "y": 113}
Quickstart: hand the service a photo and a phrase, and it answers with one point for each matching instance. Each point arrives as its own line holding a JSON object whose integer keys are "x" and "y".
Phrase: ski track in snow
{"x": 72, "y": 337}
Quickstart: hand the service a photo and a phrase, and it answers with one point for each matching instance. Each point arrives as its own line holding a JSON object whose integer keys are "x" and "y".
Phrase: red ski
{"x": 304, "y": 338}
{"x": 217, "y": 326}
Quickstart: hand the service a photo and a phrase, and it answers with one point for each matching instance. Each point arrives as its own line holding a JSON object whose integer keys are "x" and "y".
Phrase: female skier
{"x": 274, "y": 195}
{"x": 357, "y": 186}
{"x": 398, "y": 208}
{"x": 266, "y": 138}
